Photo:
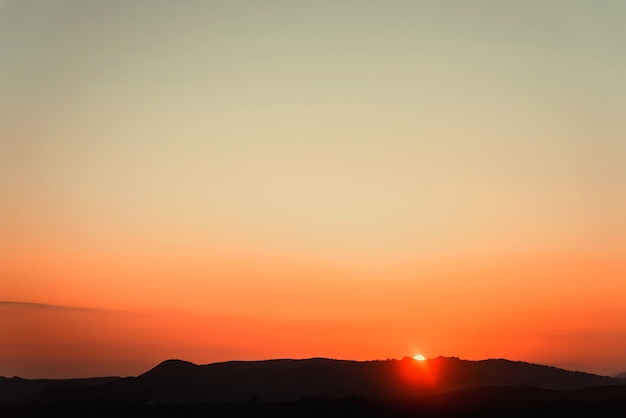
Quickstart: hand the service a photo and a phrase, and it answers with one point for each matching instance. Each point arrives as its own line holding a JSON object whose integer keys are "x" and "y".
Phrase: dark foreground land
{"x": 479, "y": 402}
{"x": 442, "y": 387}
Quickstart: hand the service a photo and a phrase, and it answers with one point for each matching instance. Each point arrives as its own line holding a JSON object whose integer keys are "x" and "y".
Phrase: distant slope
{"x": 621, "y": 376}
{"x": 176, "y": 381}
{"x": 16, "y": 390}
{"x": 453, "y": 373}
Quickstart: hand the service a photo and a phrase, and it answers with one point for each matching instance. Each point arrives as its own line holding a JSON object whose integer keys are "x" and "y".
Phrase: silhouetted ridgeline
{"x": 326, "y": 386}
{"x": 16, "y": 390}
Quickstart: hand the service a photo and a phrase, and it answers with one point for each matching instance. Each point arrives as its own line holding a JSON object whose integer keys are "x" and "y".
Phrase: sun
{"x": 419, "y": 357}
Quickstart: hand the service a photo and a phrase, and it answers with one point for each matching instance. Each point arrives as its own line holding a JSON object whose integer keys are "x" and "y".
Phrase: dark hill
{"x": 169, "y": 369}
{"x": 16, "y": 390}
{"x": 179, "y": 382}
{"x": 453, "y": 373}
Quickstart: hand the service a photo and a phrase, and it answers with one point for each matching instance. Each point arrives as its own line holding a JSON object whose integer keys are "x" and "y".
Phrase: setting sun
{"x": 419, "y": 357}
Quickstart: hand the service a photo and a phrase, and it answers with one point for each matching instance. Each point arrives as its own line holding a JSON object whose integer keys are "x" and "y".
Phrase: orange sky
{"x": 555, "y": 310}
{"x": 352, "y": 179}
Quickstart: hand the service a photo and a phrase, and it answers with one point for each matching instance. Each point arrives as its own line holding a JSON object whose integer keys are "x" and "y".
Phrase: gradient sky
{"x": 216, "y": 180}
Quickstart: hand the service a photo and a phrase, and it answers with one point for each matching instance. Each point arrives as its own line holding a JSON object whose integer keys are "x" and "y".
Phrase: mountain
{"x": 621, "y": 376}
{"x": 16, "y": 390}
{"x": 318, "y": 387}
{"x": 180, "y": 382}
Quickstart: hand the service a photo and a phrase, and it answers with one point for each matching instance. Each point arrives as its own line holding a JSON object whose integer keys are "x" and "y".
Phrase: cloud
{"x": 37, "y": 305}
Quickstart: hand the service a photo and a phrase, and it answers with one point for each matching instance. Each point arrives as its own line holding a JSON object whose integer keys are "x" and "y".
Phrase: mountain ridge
{"x": 441, "y": 387}
{"x": 621, "y": 376}
{"x": 287, "y": 380}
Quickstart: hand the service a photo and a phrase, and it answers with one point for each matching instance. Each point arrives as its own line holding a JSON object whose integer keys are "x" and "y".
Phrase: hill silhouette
{"x": 16, "y": 390}
{"x": 284, "y": 380}
{"x": 444, "y": 386}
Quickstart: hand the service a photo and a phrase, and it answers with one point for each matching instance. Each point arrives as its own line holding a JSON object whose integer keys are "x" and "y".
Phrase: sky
{"x": 218, "y": 180}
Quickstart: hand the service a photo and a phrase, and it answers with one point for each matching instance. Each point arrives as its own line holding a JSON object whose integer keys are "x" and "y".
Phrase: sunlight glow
{"x": 419, "y": 357}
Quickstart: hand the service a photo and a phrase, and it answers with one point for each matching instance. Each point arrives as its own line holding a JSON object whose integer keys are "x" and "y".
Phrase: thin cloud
{"x": 37, "y": 305}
